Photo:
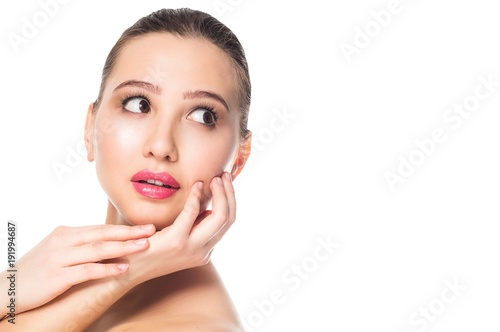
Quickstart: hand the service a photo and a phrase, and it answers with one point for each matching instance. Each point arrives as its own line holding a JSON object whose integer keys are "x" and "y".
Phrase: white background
{"x": 320, "y": 176}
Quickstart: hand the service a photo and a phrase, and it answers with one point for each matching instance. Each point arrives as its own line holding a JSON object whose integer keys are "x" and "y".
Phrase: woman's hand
{"x": 72, "y": 255}
{"x": 189, "y": 241}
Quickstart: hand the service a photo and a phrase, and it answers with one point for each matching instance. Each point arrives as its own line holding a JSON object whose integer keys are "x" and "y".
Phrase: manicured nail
{"x": 122, "y": 267}
{"x": 140, "y": 242}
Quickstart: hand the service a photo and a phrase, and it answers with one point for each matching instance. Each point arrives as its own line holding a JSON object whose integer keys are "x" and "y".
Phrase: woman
{"x": 168, "y": 134}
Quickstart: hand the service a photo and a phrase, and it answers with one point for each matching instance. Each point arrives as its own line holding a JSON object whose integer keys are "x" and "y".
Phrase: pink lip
{"x": 170, "y": 185}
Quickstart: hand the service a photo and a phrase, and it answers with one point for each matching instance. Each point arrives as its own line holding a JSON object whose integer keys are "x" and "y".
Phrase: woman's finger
{"x": 212, "y": 224}
{"x": 102, "y": 250}
{"x": 77, "y": 274}
{"x": 184, "y": 222}
{"x": 231, "y": 196}
{"x": 77, "y": 236}
{"x": 231, "y": 199}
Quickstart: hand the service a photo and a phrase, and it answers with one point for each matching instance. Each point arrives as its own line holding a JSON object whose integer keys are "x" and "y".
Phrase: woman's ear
{"x": 89, "y": 132}
{"x": 242, "y": 156}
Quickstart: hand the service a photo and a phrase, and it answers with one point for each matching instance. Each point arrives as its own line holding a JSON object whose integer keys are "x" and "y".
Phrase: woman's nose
{"x": 160, "y": 142}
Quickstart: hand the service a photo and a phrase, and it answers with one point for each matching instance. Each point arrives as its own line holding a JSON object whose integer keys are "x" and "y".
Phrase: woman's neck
{"x": 113, "y": 217}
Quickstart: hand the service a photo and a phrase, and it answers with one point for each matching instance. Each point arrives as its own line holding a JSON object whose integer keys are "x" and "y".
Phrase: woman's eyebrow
{"x": 206, "y": 94}
{"x": 140, "y": 84}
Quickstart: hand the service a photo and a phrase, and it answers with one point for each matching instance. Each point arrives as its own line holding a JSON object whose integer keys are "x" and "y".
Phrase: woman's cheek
{"x": 121, "y": 141}
{"x": 204, "y": 166}
{"x": 113, "y": 152}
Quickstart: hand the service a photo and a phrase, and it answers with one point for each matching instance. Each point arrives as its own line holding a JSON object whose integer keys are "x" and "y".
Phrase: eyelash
{"x": 129, "y": 96}
{"x": 210, "y": 109}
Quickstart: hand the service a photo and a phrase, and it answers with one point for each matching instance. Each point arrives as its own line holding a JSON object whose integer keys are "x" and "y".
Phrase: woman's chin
{"x": 159, "y": 222}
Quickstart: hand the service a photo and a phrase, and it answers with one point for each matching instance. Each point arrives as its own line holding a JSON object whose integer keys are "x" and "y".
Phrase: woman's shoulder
{"x": 197, "y": 290}
{"x": 193, "y": 298}
{"x": 179, "y": 324}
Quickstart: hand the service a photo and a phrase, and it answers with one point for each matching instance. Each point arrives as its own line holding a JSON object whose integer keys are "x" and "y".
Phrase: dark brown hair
{"x": 186, "y": 22}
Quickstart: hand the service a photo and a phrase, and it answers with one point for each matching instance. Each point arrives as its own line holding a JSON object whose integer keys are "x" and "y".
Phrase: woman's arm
{"x": 74, "y": 310}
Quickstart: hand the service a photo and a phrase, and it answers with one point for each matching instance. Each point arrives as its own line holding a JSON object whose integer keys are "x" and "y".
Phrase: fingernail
{"x": 219, "y": 180}
{"x": 140, "y": 242}
{"x": 229, "y": 177}
{"x": 199, "y": 185}
{"x": 147, "y": 227}
{"x": 122, "y": 267}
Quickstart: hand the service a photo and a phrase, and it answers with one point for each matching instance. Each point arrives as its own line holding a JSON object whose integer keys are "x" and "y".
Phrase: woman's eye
{"x": 204, "y": 116}
{"x": 137, "y": 105}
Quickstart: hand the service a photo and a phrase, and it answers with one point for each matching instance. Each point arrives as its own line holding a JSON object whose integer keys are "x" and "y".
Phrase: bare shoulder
{"x": 194, "y": 291}
{"x": 193, "y": 299}
{"x": 178, "y": 324}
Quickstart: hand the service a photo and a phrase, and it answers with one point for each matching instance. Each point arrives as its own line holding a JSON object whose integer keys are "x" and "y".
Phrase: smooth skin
{"x": 101, "y": 278}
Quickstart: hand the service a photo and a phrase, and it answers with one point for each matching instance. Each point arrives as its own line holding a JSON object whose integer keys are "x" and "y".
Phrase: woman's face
{"x": 169, "y": 113}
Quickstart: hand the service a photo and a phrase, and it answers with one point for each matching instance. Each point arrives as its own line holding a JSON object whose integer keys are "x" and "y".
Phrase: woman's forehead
{"x": 170, "y": 61}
